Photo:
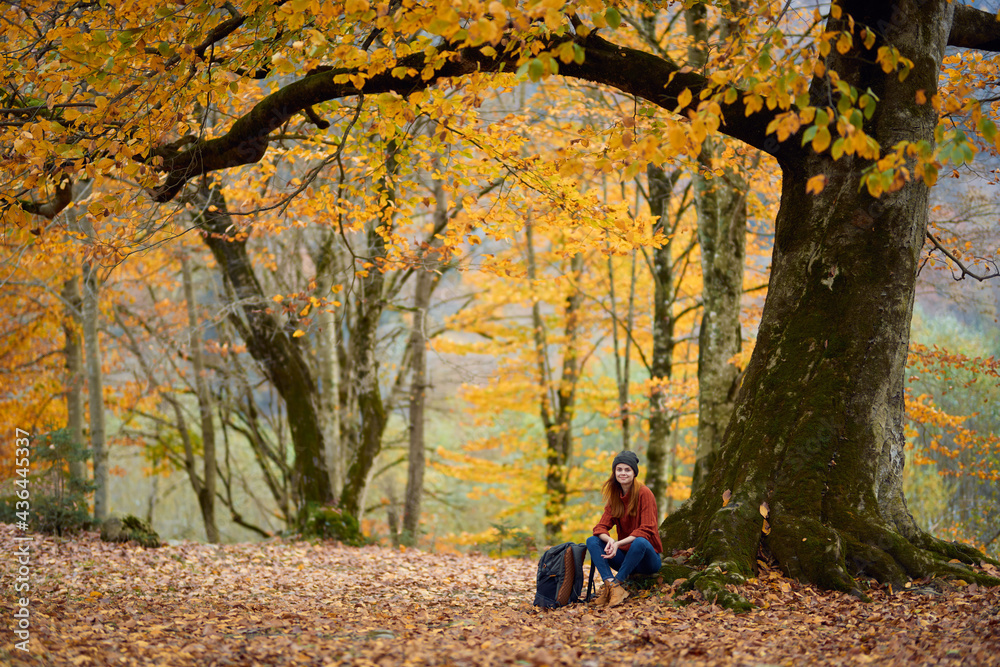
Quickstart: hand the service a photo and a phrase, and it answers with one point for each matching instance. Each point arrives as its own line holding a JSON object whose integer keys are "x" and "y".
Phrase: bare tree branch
{"x": 964, "y": 270}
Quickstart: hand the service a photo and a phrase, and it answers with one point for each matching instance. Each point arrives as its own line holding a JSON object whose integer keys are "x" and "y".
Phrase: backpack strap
{"x": 590, "y": 583}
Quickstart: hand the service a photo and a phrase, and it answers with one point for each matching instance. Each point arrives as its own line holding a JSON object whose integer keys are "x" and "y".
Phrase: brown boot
{"x": 602, "y": 598}
{"x": 616, "y": 595}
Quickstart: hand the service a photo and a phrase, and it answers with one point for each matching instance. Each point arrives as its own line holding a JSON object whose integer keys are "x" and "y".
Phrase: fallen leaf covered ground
{"x": 299, "y": 603}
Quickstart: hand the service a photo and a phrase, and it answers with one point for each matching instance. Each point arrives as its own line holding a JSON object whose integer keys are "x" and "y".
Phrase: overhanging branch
{"x": 629, "y": 70}
{"x": 973, "y": 28}
{"x": 51, "y": 208}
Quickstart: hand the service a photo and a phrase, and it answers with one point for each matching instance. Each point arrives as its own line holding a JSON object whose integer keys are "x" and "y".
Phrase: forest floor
{"x": 299, "y": 603}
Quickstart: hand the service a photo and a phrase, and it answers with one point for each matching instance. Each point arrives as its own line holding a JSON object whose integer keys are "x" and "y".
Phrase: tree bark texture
{"x": 817, "y": 433}
{"x": 271, "y": 345}
{"x": 206, "y": 489}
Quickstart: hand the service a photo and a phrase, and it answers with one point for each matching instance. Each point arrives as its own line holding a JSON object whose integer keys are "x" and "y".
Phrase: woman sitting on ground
{"x": 630, "y": 507}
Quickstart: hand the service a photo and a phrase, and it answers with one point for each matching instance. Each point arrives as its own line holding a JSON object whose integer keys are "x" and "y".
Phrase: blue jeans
{"x": 640, "y": 557}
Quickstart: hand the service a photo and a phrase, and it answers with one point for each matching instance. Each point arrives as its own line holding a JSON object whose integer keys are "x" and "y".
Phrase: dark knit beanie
{"x": 629, "y": 459}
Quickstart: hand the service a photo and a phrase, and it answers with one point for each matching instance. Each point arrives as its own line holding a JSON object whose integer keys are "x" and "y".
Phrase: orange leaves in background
{"x": 976, "y": 453}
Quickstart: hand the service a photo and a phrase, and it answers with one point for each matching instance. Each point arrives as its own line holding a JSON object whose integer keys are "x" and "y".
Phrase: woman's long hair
{"x": 612, "y": 493}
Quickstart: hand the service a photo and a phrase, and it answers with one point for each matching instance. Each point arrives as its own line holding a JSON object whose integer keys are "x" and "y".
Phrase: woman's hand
{"x": 610, "y": 549}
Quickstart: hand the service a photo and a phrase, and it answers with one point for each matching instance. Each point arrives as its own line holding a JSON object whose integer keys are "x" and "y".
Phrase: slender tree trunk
{"x": 418, "y": 398}
{"x": 623, "y": 392}
{"x": 672, "y": 467}
{"x": 722, "y": 218}
{"x": 660, "y": 186}
{"x": 329, "y": 375}
{"x": 619, "y": 380}
{"x": 622, "y": 359}
{"x": 368, "y": 311}
{"x": 154, "y": 490}
{"x": 721, "y": 206}
{"x": 271, "y": 345}
{"x": 559, "y": 435}
{"x": 418, "y": 389}
{"x": 557, "y": 400}
{"x": 327, "y": 346}
{"x": 74, "y": 374}
{"x": 95, "y": 388}
{"x": 206, "y": 492}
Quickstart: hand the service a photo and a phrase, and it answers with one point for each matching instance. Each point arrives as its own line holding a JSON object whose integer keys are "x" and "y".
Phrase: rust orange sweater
{"x": 642, "y": 524}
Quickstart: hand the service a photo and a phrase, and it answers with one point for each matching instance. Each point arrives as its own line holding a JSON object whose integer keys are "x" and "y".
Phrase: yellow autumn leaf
{"x": 822, "y": 140}
{"x": 684, "y": 99}
{"x": 816, "y": 184}
{"x": 677, "y": 138}
{"x": 845, "y": 43}
{"x": 869, "y": 37}
{"x": 299, "y": 333}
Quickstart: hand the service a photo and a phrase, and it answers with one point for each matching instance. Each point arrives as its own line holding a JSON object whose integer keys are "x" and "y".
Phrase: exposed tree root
{"x": 711, "y": 583}
{"x": 673, "y": 569}
{"x": 953, "y": 550}
{"x": 832, "y": 557}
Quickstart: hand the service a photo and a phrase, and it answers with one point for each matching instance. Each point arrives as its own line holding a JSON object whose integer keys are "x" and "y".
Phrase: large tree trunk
{"x": 271, "y": 346}
{"x": 205, "y": 488}
{"x": 817, "y": 433}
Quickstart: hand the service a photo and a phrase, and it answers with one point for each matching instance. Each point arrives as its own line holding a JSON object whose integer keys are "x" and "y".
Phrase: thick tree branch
{"x": 628, "y": 70}
{"x": 974, "y": 29}
{"x": 50, "y": 209}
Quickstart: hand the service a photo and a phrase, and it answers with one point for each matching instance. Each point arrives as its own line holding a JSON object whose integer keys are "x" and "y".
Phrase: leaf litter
{"x": 302, "y": 603}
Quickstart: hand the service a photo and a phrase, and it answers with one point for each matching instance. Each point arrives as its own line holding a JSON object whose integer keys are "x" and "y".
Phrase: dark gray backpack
{"x": 560, "y": 576}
